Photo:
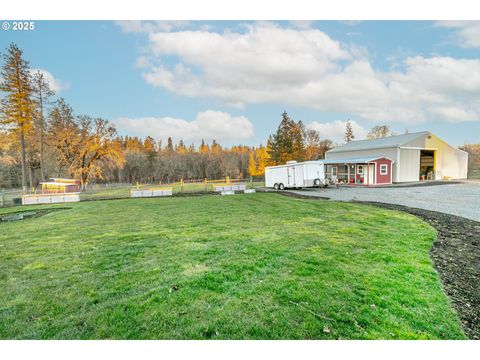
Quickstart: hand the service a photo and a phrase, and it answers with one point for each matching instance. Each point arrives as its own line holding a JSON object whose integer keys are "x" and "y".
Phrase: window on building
{"x": 360, "y": 169}
{"x": 383, "y": 169}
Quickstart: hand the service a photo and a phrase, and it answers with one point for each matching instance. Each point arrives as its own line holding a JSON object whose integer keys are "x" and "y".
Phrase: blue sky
{"x": 231, "y": 80}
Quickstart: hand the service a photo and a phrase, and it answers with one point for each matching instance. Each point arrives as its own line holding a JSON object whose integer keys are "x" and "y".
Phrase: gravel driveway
{"x": 457, "y": 199}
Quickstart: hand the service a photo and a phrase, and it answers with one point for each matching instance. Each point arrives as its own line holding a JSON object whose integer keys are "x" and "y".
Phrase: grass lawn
{"x": 259, "y": 266}
{"x": 123, "y": 191}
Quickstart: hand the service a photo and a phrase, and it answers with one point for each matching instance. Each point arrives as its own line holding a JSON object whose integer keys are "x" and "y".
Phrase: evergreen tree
{"x": 17, "y": 105}
{"x": 288, "y": 142}
{"x": 215, "y": 148}
{"x": 181, "y": 148}
{"x": 349, "y": 132}
{"x": 41, "y": 92}
{"x": 170, "y": 149}
{"x": 203, "y": 148}
{"x": 298, "y": 141}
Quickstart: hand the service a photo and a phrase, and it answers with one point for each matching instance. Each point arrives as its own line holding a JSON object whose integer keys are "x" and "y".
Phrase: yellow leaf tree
{"x": 252, "y": 167}
{"x": 262, "y": 160}
{"x": 96, "y": 145}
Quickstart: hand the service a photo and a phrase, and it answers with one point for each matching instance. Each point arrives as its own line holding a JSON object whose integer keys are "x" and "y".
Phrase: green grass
{"x": 259, "y": 266}
{"x": 123, "y": 191}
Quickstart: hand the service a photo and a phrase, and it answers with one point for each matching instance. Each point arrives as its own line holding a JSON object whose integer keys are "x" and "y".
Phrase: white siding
{"x": 409, "y": 166}
{"x": 450, "y": 161}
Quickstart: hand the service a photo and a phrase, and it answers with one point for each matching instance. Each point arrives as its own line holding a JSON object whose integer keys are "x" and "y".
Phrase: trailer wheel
{"x": 281, "y": 186}
{"x": 275, "y": 186}
{"x": 316, "y": 182}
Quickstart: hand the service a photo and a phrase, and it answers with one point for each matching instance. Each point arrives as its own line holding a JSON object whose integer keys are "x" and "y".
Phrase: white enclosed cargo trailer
{"x": 295, "y": 175}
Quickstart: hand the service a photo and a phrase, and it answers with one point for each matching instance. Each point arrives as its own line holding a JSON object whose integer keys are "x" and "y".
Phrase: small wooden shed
{"x": 360, "y": 171}
{"x": 60, "y": 186}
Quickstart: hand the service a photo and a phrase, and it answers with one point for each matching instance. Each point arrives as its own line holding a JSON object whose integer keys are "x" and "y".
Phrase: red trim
{"x": 378, "y": 178}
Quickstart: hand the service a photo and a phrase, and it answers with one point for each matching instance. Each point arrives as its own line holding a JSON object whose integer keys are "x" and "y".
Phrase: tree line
{"x": 42, "y": 137}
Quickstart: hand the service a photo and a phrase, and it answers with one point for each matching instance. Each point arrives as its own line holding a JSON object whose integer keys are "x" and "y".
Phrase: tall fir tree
{"x": 288, "y": 142}
{"x": 349, "y": 132}
{"x": 17, "y": 106}
{"x": 41, "y": 93}
{"x": 170, "y": 148}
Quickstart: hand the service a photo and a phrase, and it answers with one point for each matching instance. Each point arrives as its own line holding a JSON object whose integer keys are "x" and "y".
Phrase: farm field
{"x": 258, "y": 266}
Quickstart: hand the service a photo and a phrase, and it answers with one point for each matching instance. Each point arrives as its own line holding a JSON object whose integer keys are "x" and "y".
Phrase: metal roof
{"x": 362, "y": 160}
{"x": 387, "y": 142}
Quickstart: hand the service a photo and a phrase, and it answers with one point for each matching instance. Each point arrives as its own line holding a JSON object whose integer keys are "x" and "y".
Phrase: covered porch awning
{"x": 360, "y": 160}
{"x": 370, "y": 170}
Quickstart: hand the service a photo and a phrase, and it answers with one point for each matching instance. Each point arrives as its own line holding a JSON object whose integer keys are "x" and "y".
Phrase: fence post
{"x": 227, "y": 180}
{"x": 206, "y": 185}
{"x": 181, "y": 185}
{"x": 2, "y": 201}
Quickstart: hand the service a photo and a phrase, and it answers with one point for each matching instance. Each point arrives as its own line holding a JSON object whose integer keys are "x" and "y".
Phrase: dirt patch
{"x": 28, "y": 214}
{"x": 291, "y": 194}
{"x": 456, "y": 256}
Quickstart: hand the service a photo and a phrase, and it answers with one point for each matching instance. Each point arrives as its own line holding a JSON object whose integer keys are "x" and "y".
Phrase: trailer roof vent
{"x": 291, "y": 162}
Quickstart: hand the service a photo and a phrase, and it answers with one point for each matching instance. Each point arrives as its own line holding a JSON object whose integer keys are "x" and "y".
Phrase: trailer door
{"x": 290, "y": 176}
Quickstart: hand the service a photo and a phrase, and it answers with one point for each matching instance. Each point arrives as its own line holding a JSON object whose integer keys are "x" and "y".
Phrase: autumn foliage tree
{"x": 95, "y": 145}
{"x": 84, "y": 145}
{"x": 378, "y": 132}
{"x": 473, "y": 151}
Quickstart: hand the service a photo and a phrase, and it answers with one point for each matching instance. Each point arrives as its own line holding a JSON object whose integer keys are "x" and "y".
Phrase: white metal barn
{"x": 415, "y": 156}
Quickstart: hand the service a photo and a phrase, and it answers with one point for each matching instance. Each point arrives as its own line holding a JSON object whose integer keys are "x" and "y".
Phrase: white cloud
{"x": 139, "y": 26}
{"x": 208, "y": 125}
{"x": 466, "y": 31}
{"x": 301, "y": 24}
{"x": 335, "y": 130}
{"x": 56, "y": 85}
{"x": 351, "y": 22}
{"x": 305, "y": 67}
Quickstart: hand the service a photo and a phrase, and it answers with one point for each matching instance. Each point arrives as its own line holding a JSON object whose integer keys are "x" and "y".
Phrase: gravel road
{"x": 461, "y": 199}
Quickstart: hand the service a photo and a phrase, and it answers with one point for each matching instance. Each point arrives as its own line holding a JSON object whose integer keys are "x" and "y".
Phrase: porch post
{"x": 348, "y": 174}
{"x": 366, "y": 174}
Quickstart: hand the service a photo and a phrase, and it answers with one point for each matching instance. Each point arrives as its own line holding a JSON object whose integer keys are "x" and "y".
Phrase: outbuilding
{"x": 60, "y": 186}
{"x": 375, "y": 170}
{"x": 414, "y": 157}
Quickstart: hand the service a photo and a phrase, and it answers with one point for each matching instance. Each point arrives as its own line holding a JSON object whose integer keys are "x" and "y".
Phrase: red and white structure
{"x": 376, "y": 170}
